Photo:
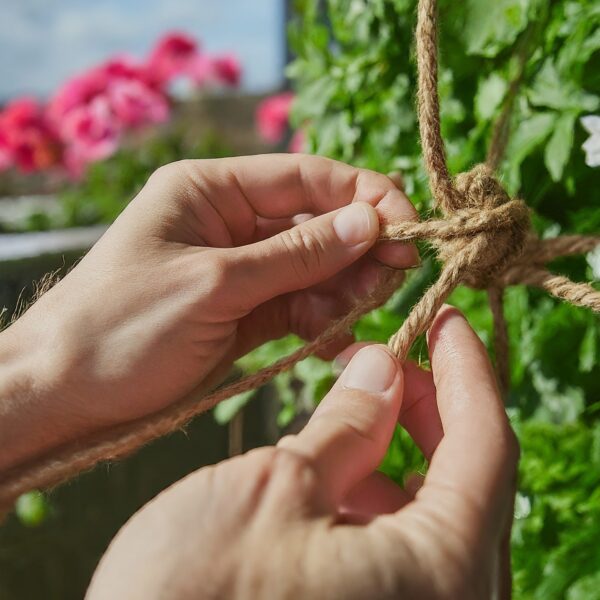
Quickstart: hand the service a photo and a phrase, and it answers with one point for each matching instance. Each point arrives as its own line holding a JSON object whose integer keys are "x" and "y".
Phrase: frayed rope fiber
{"x": 483, "y": 239}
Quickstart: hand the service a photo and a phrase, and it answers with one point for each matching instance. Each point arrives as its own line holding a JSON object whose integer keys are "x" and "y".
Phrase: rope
{"x": 483, "y": 239}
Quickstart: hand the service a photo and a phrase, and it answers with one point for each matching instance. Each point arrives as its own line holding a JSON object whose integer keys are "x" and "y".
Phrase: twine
{"x": 483, "y": 239}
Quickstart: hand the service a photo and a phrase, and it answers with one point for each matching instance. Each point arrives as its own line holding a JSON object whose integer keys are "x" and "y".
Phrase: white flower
{"x": 591, "y": 123}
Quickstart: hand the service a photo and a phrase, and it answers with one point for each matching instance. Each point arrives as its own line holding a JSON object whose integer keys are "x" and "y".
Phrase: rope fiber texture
{"x": 483, "y": 239}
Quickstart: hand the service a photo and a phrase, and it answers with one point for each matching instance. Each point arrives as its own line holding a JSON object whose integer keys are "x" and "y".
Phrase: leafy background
{"x": 355, "y": 79}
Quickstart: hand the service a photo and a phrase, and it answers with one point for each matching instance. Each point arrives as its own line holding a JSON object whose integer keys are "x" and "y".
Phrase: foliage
{"x": 355, "y": 79}
{"x": 557, "y": 525}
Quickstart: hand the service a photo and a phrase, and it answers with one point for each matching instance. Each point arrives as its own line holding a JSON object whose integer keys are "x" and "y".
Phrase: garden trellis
{"x": 483, "y": 239}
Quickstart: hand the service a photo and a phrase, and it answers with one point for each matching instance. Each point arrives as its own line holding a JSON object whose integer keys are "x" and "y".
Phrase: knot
{"x": 479, "y": 188}
{"x": 489, "y": 230}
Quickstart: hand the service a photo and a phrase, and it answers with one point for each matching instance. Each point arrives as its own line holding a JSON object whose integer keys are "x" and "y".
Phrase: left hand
{"x": 212, "y": 258}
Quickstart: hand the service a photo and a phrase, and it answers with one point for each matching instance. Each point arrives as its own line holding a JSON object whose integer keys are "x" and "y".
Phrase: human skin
{"x": 202, "y": 266}
{"x": 211, "y": 259}
{"x": 311, "y": 518}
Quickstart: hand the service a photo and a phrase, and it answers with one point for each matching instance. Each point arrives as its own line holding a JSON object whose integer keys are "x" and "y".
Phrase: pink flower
{"x": 297, "y": 142}
{"x": 272, "y": 117}
{"x": 200, "y": 70}
{"x": 6, "y": 159}
{"x": 77, "y": 91}
{"x": 124, "y": 67}
{"x": 171, "y": 57}
{"x": 26, "y": 138}
{"x": 134, "y": 103}
{"x": 227, "y": 69}
{"x": 90, "y": 132}
{"x": 83, "y": 88}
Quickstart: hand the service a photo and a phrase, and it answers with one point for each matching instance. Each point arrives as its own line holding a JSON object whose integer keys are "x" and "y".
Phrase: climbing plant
{"x": 355, "y": 80}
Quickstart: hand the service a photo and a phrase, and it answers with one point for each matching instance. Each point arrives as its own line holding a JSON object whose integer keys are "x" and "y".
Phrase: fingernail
{"x": 398, "y": 255}
{"x": 339, "y": 364}
{"x": 416, "y": 257}
{"x": 353, "y": 224}
{"x": 371, "y": 369}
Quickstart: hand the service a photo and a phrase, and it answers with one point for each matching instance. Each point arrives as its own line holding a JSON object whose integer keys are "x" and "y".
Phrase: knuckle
{"x": 287, "y": 441}
{"x": 286, "y": 462}
{"x": 281, "y": 467}
{"x": 216, "y": 271}
{"x": 305, "y": 248}
{"x": 165, "y": 173}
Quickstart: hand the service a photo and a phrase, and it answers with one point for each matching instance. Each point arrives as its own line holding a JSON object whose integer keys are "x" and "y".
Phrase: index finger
{"x": 243, "y": 189}
{"x": 474, "y": 466}
{"x": 285, "y": 185}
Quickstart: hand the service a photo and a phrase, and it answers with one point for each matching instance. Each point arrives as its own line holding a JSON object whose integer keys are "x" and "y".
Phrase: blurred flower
{"x": 5, "y": 154}
{"x": 83, "y": 88}
{"x": 591, "y": 123}
{"x": 171, "y": 57}
{"x": 227, "y": 69}
{"x": 77, "y": 91}
{"x": 272, "y": 117}
{"x": 297, "y": 142}
{"x": 135, "y": 103}
{"x": 26, "y": 138}
{"x": 200, "y": 70}
{"x": 86, "y": 118}
{"x": 91, "y": 132}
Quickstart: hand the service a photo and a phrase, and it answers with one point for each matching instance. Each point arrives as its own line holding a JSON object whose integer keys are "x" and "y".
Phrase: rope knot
{"x": 490, "y": 228}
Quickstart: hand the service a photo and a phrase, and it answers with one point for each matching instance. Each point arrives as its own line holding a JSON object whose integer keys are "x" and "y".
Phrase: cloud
{"x": 44, "y": 41}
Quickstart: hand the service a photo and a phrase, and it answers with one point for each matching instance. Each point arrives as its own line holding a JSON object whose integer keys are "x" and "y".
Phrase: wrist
{"x": 31, "y": 418}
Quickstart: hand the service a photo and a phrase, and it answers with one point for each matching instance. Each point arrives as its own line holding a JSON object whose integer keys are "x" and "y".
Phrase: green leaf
{"x": 586, "y": 588}
{"x": 529, "y": 134}
{"x": 553, "y": 91}
{"x": 491, "y": 26}
{"x": 226, "y": 410}
{"x": 489, "y": 96}
{"x": 559, "y": 404}
{"x": 558, "y": 149}
{"x": 589, "y": 349}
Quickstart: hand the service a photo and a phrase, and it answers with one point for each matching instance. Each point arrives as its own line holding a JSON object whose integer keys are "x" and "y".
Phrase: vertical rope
{"x": 428, "y": 102}
{"x": 501, "y": 347}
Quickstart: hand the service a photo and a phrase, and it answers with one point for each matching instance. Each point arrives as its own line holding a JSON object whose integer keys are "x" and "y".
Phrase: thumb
{"x": 349, "y": 432}
{"x": 305, "y": 254}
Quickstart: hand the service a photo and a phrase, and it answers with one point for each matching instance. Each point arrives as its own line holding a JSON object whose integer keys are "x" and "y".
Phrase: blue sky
{"x": 42, "y": 42}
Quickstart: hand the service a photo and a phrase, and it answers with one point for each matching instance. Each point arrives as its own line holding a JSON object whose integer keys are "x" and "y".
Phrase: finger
{"x": 377, "y": 494}
{"x": 238, "y": 190}
{"x": 419, "y": 413}
{"x": 349, "y": 432}
{"x": 266, "y": 228}
{"x": 473, "y": 468}
{"x": 285, "y": 185}
{"x": 302, "y": 256}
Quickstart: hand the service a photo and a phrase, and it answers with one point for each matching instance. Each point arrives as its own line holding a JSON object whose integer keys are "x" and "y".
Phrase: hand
{"x": 206, "y": 263}
{"x": 311, "y": 518}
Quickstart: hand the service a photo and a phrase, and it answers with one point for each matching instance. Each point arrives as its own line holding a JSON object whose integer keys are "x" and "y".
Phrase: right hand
{"x": 312, "y": 518}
